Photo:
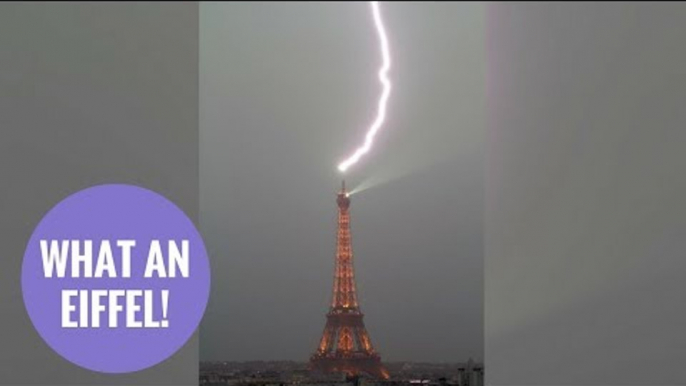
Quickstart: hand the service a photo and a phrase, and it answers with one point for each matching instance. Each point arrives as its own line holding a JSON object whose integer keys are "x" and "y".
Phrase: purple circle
{"x": 107, "y": 213}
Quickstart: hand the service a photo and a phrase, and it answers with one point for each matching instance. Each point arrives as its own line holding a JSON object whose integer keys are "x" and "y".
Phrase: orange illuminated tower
{"x": 345, "y": 345}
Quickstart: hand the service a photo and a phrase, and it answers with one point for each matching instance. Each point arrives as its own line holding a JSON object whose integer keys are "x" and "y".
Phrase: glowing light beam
{"x": 383, "y": 100}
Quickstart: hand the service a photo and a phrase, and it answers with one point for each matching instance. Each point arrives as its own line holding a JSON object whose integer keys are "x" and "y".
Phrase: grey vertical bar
{"x": 585, "y": 217}
{"x": 90, "y": 93}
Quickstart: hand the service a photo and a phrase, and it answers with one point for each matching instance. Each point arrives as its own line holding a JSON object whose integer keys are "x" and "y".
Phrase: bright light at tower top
{"x": 383, "y": 78}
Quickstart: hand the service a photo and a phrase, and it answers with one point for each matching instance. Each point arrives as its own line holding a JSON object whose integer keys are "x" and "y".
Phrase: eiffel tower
{"x": 345, "y": 345}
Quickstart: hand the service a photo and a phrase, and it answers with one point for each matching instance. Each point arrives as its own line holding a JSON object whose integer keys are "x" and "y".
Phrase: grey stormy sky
{"x": 287, "y": 90}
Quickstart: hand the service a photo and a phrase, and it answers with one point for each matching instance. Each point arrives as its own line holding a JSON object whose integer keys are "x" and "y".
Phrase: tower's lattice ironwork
{"x": 345, "y": 345}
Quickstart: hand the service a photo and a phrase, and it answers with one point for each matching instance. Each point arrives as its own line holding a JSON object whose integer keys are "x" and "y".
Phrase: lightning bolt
{"x": 383, "y": 100}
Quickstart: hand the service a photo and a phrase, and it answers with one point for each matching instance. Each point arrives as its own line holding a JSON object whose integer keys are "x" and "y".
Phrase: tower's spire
{"x": 343, "y": 187}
